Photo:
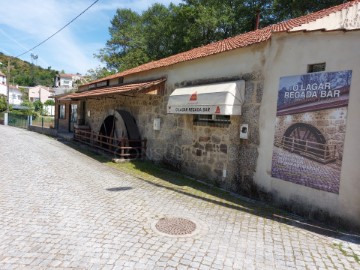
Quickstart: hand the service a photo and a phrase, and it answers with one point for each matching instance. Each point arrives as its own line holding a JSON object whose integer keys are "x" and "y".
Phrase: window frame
{"x": 212, "y": 120}
{"x": 74, "y": 112}
{"x": 62, "y": 111}
{"x": 317, "y": 67}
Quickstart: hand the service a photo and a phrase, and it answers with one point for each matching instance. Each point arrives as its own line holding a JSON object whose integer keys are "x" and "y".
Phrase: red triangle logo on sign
{"x": 217, "y": 109}
{"x": 193, "y": 97}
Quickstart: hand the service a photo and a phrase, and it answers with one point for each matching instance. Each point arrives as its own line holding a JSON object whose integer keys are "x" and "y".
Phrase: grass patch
{"x": 174, "y": 181}
{"x": 347, "y": 253}
{"x": 161, "y": 176}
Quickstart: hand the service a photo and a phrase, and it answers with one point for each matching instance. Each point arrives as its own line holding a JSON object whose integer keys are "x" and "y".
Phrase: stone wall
{"x": 215, "y": 153}
{"x": 247, "y": 153}
{"x": 212, "y": 153}
{"x": 144, "y": 108}
{"x": 141, "y": 107}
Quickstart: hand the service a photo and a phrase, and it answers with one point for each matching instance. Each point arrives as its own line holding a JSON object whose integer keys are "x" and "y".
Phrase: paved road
{"x": 61, "y": 209}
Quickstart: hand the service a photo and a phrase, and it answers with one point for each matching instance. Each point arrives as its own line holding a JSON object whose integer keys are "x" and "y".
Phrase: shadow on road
{"x": 119, "y": 189}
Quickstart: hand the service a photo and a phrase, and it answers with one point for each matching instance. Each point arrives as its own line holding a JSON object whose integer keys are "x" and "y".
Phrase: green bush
{"x": 28, "y": 111}
{"x": 49, "y": 102}
{"x": 38, "y": 106}
{"x": 2, "y": 103}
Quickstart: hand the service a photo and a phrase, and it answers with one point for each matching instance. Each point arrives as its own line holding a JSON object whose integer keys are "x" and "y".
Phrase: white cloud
{"x": 26, "y": 23}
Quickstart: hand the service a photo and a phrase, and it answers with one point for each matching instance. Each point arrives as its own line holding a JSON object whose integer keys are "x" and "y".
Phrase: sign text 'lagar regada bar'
{"x": 310, "y": 129}
{"x": 224, "y": 98}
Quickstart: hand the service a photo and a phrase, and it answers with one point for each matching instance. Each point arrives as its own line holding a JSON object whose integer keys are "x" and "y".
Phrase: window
{"x": 316, "y": 67}
{"x": 61, "y": 111}
{"x": 212, "y": 120}
{"x": 73, "y": 113}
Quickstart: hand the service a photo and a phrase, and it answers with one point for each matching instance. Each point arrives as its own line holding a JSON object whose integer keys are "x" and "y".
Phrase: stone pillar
{"x": 6, "y": 119}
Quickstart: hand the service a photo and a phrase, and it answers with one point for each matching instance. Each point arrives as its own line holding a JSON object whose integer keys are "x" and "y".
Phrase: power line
{"x": 42, "y": 42}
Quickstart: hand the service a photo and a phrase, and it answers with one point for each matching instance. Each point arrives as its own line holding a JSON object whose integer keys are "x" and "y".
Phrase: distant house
{"x": 41, "y": 93}
{"x": 66, "y": 82}
{"x": 15, "y": 95}
{"x": 3, "y": 89}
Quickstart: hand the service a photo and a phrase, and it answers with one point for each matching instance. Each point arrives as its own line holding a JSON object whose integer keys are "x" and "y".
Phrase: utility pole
{"x": 6, "y": 115}
{"x": 34, "y": 58}
{"x": 8, "y": 87}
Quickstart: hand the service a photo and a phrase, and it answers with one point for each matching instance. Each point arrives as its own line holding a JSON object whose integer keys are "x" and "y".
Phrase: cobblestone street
{"x": 61, "y": 209}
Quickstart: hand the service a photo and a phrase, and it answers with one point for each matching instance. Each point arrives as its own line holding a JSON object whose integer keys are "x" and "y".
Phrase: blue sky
{"x": 25, "y": 23}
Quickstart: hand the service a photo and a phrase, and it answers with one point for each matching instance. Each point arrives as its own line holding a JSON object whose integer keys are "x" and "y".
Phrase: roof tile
{"x": 125, "y": 88}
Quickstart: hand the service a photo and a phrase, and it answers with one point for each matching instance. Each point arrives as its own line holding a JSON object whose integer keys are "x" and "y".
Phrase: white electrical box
{"x": 244, "y": 131}
{"x": 157, "y": 123}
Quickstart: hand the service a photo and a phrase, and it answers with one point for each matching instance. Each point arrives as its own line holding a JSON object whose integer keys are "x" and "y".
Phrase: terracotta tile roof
{"x": 125, "y": 88}
{"x": 239, "y": 41}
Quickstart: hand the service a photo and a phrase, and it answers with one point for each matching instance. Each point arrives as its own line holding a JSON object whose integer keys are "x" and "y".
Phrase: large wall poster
{"x": 310, "y": 129}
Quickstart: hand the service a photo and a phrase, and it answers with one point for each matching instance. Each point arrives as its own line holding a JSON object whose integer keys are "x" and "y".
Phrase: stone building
{"x": 212, "y": 112}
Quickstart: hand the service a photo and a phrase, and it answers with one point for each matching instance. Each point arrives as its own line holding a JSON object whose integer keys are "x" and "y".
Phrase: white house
{"x": 273, "y": 113}
{"x": 66, "y": 82}
{"x": 3, "y": 88}
{"x": 15, "y": 95}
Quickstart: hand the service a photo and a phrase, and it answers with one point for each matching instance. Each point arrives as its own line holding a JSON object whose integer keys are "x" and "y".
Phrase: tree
{"x": 286, "y": 9}
{"x": 98, "y": 73}
{"x": 49, "y": 102}
{"x": 2, "y": 103}
{"x": 126, "y": 47}
{"x": 38, "y": 106}
{"x": 163, "y": 31}
{"x": 156, "y": 24}
{"x": 29, "y": 107}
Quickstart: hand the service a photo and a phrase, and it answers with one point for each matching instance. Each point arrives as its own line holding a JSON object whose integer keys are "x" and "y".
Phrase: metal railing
{"x": 321, "y": 152}
{"x": 18, "y": 120}
{"x": 43, "y": 121}
{"x": 120, "y": 147}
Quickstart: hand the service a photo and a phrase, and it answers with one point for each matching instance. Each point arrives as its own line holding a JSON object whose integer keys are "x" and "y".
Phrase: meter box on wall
{"x": 157, "y": 123}
{"x": 244, "y": 131}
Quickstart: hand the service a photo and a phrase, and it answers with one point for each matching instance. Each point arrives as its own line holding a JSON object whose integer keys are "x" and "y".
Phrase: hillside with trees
{"x": 27, "y": 74}
{"x": 162, "y": 31}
